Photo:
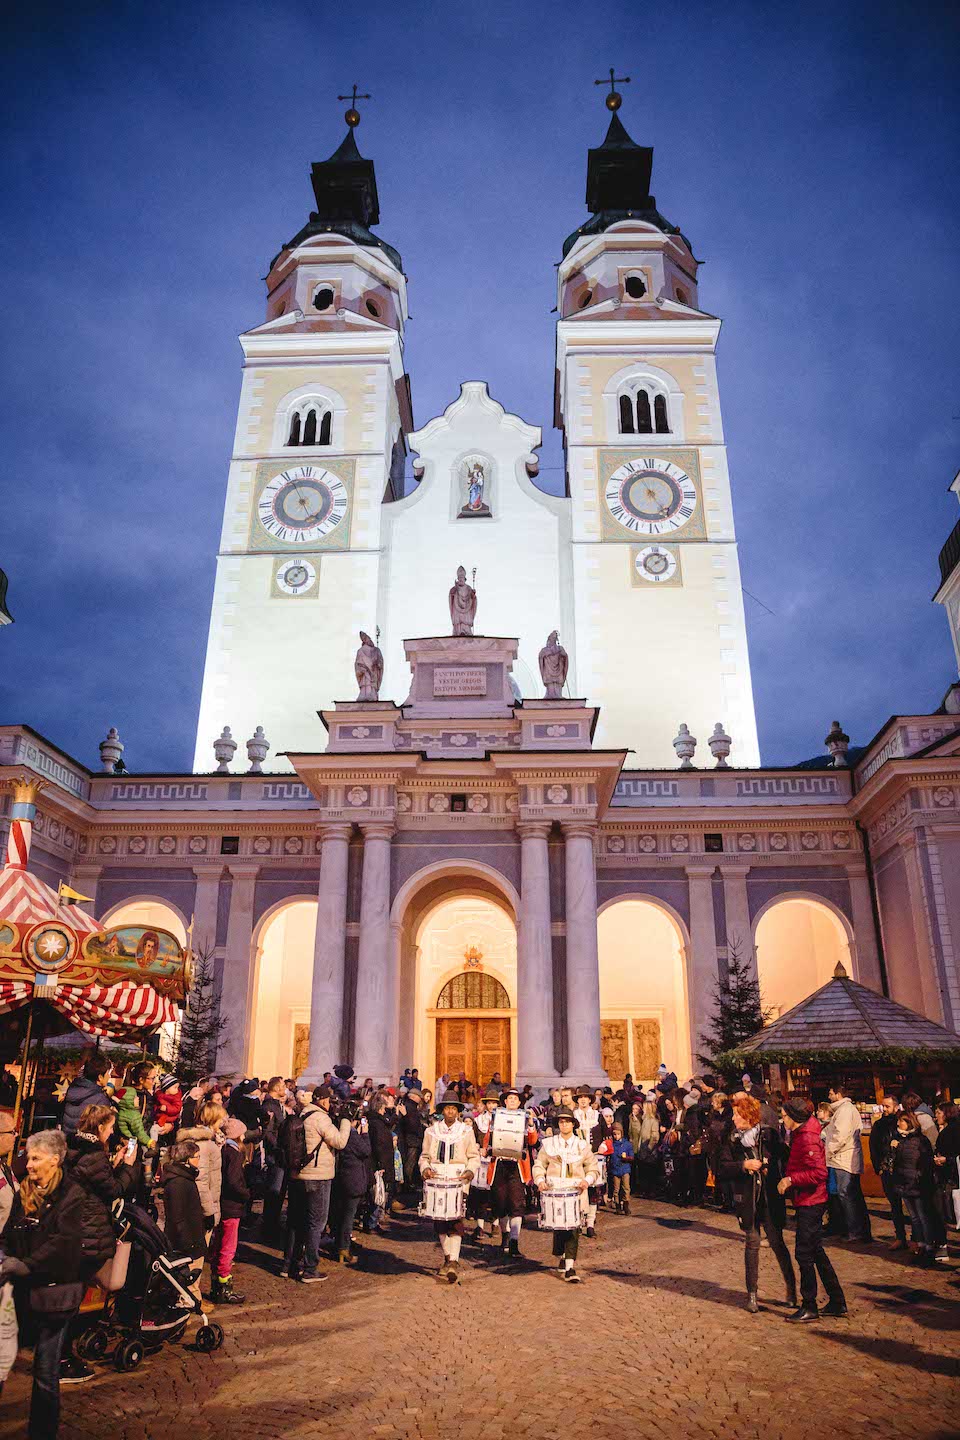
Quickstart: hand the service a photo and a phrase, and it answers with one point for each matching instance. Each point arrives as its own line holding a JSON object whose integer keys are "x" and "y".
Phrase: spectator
{"x": 234, "y": 1194}
{"x": 352, "y": 1182}
{"x": 946, "y": 1174}
{"x": 913, "y": 1180}
{"x": 89, "y": 1088}
{"x": 136, "y": 1112}
{"x": 321, "y": 1139}
{"x": 167, "y": 1107}
{"x": 743, "y": 1160}
{"x": 805, "y": 1179}
{"x": 882, "y": 1133}
{"x": 194, "y": 1098}
{"x": 381, "y": 1121}
{"x": 913, "y": 1105}
{"x": 207, "y": 1134}
{"x": 183, "y": 1213}
{"x": 275, "y": 1176}
{"x": 245, "y": 1104}
{"x": 8, "y": 1182}
{"x": 621, "y": 1163}
{"x": 845, "y": 1155}
{"x": 412, "y": 1119}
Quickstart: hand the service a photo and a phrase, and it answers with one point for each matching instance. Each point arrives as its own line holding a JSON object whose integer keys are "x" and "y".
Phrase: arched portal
{"x": 644, "y": 1010}
{"x": 280, "y": 1020}
{"x": 799, "y": 941}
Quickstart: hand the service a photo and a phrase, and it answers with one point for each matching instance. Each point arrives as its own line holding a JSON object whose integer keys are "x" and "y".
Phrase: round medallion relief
{"x": 292, "y": 845}
{"x": 439, "y": 803}
{"x": 166, "y": 844}
{"x": 478, "y": 803}
{"x": 809, "y": 840}
{"x": 261, "y": 845}
{"x": 404, "y": 802}
{"x": 647, "y": 843}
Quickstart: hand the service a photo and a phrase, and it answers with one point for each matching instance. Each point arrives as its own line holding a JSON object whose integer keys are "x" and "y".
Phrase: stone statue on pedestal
{"x": 554, "y": 664}
{"x": 463, "y": 604}
{"x": 368, "y": 668}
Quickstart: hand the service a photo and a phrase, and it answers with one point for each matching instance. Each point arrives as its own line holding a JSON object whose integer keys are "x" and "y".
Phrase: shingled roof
{"x": 843, "y": 1015}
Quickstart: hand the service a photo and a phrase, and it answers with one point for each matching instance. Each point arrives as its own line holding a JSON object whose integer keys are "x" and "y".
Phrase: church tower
{"x": 660, "y": 637}
{"x": 320, "y": 443}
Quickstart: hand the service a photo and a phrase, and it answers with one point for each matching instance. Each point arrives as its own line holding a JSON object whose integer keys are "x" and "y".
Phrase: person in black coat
{"x": 945, "y": 1174}
{"x": 743, "y": 1159}
{"x": 54, "y": 1253}
{"x": 882, "y": 1133}
{"x": 381, "y": 1122}
{"x": 913, "y": 1180}
{"x": 182, "y": 1208}
{"x": 411, "y": 1123}
{"x": 102, "y": 1177}
{"x": 275, "y": 1178}
{"x": 234, "y": 1196}
{"x": 351, "y": 1184}
{"x": 89, "y": 1088}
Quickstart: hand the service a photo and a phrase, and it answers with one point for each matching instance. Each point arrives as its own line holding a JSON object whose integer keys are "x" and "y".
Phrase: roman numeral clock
{"x": 304, "y": 509}
{"x": 654, "y": 499}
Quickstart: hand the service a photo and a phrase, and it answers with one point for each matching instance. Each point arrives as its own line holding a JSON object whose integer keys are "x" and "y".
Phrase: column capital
{"x": 208, "y": 872}
{"x": 245, "y": 871}
{"x": 533, "y": 829}
{"x": 334, "y": 830}
{"x": 579, "y": 829}
{"x": 91, "y": 871}
{"x": 695, "y": 872}
{"x": 377, "y": 829}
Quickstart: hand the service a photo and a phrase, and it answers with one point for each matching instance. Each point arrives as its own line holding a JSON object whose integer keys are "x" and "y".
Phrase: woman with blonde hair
{"x": 208, "y": 1134}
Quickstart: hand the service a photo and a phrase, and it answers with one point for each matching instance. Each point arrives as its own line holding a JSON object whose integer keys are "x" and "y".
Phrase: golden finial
{"x": 840, "y": 972}
{"x": 352, "y": 115}
{"x": 614, "y": 100}
{"x": 25, "y": 789}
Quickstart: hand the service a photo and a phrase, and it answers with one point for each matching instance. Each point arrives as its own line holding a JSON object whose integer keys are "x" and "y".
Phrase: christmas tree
{"x": 738, "y": 1009}
{"x": 202, "y": 1026}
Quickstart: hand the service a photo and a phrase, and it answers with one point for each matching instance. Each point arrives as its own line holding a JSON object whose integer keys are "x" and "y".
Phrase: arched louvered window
{"x": 473, "y": 990}
{"x": 311, "y": 423}
{"x": 310, "y": 428}
{"x": 644, "y": 419}
{"x": 660, "y": 415}
{"x": 294, "y": 430}
{"x": 325, "y": 427}
{"x": 627, "y": 426}
{"x": 643, "y": 409}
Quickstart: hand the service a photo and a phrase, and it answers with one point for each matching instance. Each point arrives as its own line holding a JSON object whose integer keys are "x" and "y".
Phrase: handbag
{"x": 112, "y": 1275}
{"x": 379, "y": 1189}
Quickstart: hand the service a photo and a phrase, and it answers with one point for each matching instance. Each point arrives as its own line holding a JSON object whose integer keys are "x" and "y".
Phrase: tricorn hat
{"x": 451, "y": 1098}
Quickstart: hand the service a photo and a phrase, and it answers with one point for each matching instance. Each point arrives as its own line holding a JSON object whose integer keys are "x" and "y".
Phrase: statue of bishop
{"x": 554, "y": 664}
{"x": 463, "y": 604}
{"x": 368, "y": 668}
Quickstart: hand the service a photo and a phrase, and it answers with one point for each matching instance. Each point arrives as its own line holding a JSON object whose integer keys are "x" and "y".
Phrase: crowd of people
{"x": 311, "y": 1167}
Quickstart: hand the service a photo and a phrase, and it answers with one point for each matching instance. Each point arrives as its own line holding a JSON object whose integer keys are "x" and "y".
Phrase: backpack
{"x": 292, "y": 1144}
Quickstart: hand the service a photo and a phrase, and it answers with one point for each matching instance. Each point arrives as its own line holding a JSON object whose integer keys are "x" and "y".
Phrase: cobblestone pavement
{"x": 655, "y": 1343}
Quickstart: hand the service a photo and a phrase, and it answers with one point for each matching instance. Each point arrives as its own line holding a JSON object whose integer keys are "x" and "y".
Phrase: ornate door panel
{"x": 456, "y": 1041}
{"x": 614, "y": 1056}
{"x": 493, "y": 1050}
{"x": 646, "y": 1049}
{"x": 301, "y": 1049}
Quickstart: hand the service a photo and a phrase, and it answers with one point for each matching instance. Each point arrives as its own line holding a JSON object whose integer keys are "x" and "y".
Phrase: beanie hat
{"x": 689, "y": 1101}
{"x": 234, "y": 1129}
{"x": 168, "y": 1082}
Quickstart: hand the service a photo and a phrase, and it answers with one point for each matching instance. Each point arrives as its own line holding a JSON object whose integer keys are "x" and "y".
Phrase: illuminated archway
{"x": 644, "y": 1009}
{"x": 280, "y": 1014}
{"x": 150, "y": 912}
{"x": 798, "y": 940}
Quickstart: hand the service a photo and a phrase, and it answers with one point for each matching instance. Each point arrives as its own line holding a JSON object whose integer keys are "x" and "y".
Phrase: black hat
{"x": 510, "y": 1090}
{"x": 343, "y": 1072}
{"x": 323, "y": 1092}
{"x": 451, "y": 1098}
{"x": 565, "y": 1113}
{"x": 584, "y": 1090}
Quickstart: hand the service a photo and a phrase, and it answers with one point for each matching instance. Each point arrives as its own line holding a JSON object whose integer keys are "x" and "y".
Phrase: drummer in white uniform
{"x": 587, "y": 1120}
{"x": 449, "y": 1149}
{"x": 511, "y": 1176}
{"x": 478, "y": 1200}
{"x": 565, "y": 1157}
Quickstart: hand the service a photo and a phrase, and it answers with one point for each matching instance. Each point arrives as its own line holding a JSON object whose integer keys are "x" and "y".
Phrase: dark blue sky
{"x": 155, "y": 158}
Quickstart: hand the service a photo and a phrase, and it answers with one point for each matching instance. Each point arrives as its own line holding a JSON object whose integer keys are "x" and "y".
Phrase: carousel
{"x": 61, "y": 970}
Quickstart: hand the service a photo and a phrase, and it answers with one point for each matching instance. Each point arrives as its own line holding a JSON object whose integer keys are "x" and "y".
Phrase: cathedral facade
{"x": 456, "y": 870}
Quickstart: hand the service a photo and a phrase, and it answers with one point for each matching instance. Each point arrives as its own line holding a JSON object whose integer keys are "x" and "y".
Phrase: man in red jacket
{"x": 805, "y": 1178}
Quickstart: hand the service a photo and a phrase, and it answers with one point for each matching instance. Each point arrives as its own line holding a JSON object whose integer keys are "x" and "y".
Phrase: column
{"x": 583, "y": 957}
{"x": 235, "y": 997}
{"x": 925, "y": 961}
{"x": 702, "y": 972}
{"x": 326, "y": 999}
{"x": 535, "y": 1060}
{"x": 206, "y": 901}
{"x": 376, "y": 1007}
{"x": 737, "y": 910}
{"x": 867, "y": 967}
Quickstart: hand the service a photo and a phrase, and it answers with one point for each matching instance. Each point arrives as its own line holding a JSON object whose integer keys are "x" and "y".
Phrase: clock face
{"x": 651, "y": 496}
{"x": 302, "y": 505}
{"x": 655, "y": 565}
{"x": 295, "y": 577}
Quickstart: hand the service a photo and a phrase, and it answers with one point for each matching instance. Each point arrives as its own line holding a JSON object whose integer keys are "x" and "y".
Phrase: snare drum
{"x": 481, "y": 1180}
{"x": 601, "y": 1163}
{"x": 443, "y": 1200}
{"x": 560, "y": 1207}
{"x": 509, "y": 1131}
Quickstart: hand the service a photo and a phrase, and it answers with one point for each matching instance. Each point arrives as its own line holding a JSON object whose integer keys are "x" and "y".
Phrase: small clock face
{"x": 651, "y": 496}
{"x": 655, "y": 565}
{"x": 302, "y": 505}
{"x": 295, "y": 577}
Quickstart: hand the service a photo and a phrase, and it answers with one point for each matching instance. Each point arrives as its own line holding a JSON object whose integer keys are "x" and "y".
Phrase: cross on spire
{"x": 613, "y": 101}
{"x": 352, "y": 116}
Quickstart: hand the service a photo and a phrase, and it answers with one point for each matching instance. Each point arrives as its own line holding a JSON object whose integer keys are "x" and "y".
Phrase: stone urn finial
{"x": 720, "y": 743}
{"x": 837, "y": 744}
{"x": 685, "y": 744}
{"x": 257, "y": 747}
{"x": 223, "y": 750}
{"x": 111, "y": 750}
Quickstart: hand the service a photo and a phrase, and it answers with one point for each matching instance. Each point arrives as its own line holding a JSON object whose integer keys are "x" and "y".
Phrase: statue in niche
{"x": 463, "y": 604}
{"x": 368, "y": 667}
{"x": 554, "y": 664}
{"x": 475, "y": 480}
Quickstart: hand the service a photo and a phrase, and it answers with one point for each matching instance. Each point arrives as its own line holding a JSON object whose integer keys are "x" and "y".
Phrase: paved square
{"x": 655, "y": 1343}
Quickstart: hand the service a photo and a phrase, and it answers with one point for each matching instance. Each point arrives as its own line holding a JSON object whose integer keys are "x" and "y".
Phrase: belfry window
{"x": 643, "y": 411}
{"x": 310, "y": 428}
{"x": 324, "y": 298}
{"x": 310, "y": 424}
{"x": 661, "y": 424}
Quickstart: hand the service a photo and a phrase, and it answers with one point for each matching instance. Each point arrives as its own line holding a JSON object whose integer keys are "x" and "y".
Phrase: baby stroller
{"x": 148, "y": 1298}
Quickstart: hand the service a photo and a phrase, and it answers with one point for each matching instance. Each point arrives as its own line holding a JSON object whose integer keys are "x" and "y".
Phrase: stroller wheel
{"x": 128, "y": 1355}
{"x": 92, "y": 1345}
{"x": 210, "y": 1337}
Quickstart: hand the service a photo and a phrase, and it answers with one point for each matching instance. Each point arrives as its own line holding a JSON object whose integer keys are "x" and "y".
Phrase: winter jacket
{"x": 755, "y": 1193}
{"x": 182, "y": 1211}
{"x": 273, "y": 1117}
{"x": 89, "y": 1166}
{"x": 167, "y": 1107}
{"x": 621, "y": 1159}
{"x": 411, "y": 1123}
{"x": 948, "y": 1145}
{"x": 807, "y": 1165}
{"x": 558, "y": 1160}
{"x": 381, "y": 1142}
{"x": 842, "y": 1138}
{"x": 927, "y": 1123}
{"x": 322, "y": 1139}
{"x": 54, "y": 1243}
{"x": 193, "y": 1102}
{"x": 454, "y": 1144}
{"x": 881, "y": 1133}
{"x": 234, "y": 1191}
{"x": 246, "y": 1107}
{"x": 353, "y": 1169}
{"x": 135, "y": 1115}
{"x": 81, "y": 1093}
{"x": 210, "y": 1171}
{"x": 913, "y": 1166}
